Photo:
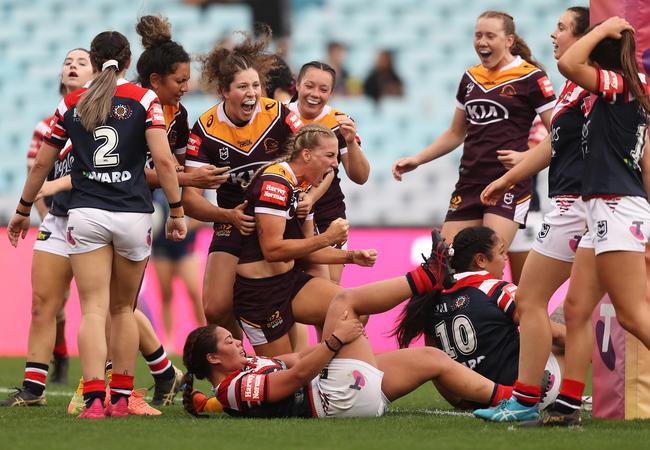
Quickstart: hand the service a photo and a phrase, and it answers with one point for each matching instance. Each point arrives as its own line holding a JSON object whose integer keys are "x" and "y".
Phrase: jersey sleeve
{"x": 254, "y": 388}
{"x": 610, "y": 85}
{"x": 57, "y": 136}
{"x": 196, "y": 154}
{"x": 461, "y": 93}
{"x": 182, "y": 132}
{"x": 537, "y": 132}
{"x": 503, "y": 295}
{"x": 291, "y": 121}
{"x": 40, "y": 131}
{"x": 272, "y": 195}
{"x": 541, "y": 93}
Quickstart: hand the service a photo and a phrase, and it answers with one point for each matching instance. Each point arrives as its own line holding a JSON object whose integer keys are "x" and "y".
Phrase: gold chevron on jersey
{"x": 327, "y": 116}
{"x": 283, "y": 170}
{"x": 488, "y": 80}
{"x": 216, "y": 126}
{"x": 171, "y": 112}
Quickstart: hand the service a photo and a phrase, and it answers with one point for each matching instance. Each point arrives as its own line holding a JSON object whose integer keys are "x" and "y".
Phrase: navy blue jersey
{"x": 108, "y": 167}
{"x": 565, "y": 171}
{"x": 473, "y": 323}
{"x": 615, "y": 139}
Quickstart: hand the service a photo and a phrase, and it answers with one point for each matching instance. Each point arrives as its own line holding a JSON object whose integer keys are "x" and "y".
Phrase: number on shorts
{"x": 104, "y": 156}
{"x": 464, "y": 336}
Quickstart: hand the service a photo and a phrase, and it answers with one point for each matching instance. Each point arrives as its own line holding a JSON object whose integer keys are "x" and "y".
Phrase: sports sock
{"x": 94, "y": 389}
{"x": 121, "y": 386}
{"x": 500, "y": 392}
{"x": 159, "y": 365}
{"x": 35, "y": 376}
{"x": 570, "y": 398}
{"x": 108, "y": 370}
{"x": 61, "y": 350}
{"x": 526, "y": 394}
{"x": 420, "y": 281}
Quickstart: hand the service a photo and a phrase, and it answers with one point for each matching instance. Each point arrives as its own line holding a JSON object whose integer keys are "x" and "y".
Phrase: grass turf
{"x": 421, "y": 420}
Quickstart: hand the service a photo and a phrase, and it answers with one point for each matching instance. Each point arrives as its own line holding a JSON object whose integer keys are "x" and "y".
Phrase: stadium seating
{"x": 432, "y": 40}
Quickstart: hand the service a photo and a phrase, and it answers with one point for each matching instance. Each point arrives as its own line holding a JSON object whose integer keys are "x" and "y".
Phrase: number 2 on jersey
{"x": 104, "y": 156}
{"x": 464, "y": 336}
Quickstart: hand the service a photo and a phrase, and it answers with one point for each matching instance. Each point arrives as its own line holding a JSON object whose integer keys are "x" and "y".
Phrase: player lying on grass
{"x": 339, "y": 377}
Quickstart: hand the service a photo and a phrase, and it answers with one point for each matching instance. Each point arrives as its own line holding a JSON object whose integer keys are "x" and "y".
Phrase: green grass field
{"x": 421, "y": 420}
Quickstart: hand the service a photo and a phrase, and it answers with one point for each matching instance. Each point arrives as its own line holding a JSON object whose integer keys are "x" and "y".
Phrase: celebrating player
{"x": 497, "y": 101}
{"x": 109, "y": 225}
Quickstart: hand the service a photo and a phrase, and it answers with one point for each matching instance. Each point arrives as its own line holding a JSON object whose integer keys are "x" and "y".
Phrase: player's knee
{"x": 344, "y": 301}
{"x": 42, "y": 306}
{"x": 575, "y": 312}
{"x": 628, "y": 320}
{"x": 217, "y": 309}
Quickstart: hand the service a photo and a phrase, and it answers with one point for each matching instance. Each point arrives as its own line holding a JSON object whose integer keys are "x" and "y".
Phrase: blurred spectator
{"x": 345, "y": 84}
{"x": 275, "y": 13}
{"x": 383, "y": 80}
{"x": 281, "y": 84}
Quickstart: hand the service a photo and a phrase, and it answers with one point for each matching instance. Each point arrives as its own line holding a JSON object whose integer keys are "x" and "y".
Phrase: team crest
{"x": 455, "y": 202}
{"x": 224, "y": 153}
{"x": 460, "y": 302}
{"x": 543, "y": 232}
{"x": 508, "y": 197}
{"x": 271, "y": 145}
{"x": 470, "y": 88}
{"x": 121, "y": 112}
{"x": 508, "y": 91}
{"x": 601, "y": 230}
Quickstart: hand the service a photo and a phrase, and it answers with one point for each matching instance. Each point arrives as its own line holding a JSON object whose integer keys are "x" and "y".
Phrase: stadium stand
{"x": 432, "y": 40}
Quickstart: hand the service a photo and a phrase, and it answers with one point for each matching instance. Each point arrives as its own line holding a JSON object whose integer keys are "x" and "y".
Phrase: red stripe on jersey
{"x": 545, "y": 86}
{"x": 294, "y": 122}
{"x": 130, "y": 90}
{"x": 474, "y": 280}
{"x": 274, "y": 193}
{"x": 193, "y": 144}
{"x": 610, "y": 84}
{"x": 156, "y": 116}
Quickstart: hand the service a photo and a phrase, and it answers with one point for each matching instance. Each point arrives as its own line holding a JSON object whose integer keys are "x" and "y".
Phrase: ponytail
{"x": 415, "y": 317}
{"x": 631, "y": 70}
{"x": 110, "y": 53}
{"x": 198, "y": 344}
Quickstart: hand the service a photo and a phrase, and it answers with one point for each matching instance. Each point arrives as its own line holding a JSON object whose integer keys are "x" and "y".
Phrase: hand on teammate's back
{"x": 209, "y": 177}
{"x": 510, "y": 158}
{"x": 242, "y": 221}
{"x": 404, "y": 165}
{"x": 337, "y": 232}
{"x": 347, "y": 330}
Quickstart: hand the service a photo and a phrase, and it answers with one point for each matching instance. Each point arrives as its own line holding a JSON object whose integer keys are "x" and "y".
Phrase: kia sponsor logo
{"x": 484, "y": 111}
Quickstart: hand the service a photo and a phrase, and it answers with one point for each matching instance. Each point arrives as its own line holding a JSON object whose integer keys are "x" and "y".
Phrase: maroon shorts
{"x": 466, "y": 203}
{"x": 226, "y": 238}
{"x": 263, "y": 305}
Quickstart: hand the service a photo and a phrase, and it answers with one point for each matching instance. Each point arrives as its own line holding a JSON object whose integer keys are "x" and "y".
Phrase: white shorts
{"x": 51, "y": 236}
{"x": 554, "y": 375}
{"x": 617, "y": 224}
{"x": 562, "y": 229}
{"x": 128, "y": 233}
{"x": 525, "y": 237}
{"x": 351, "y": 388}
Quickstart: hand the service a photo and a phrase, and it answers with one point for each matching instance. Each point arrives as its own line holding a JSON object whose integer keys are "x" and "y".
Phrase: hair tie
{"x": 110, "y": 63}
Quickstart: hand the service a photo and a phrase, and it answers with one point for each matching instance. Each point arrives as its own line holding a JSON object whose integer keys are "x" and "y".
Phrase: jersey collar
{"x": 516, "y": 63}
{"x": 223, "y": 117}
{"x": 293, "y": 107}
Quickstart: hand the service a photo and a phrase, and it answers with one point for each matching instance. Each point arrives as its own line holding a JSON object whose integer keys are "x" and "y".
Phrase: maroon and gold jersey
{"x": 245, "y": 393}
{"x": 332, "y": 199}
{"x": 178, "y": 128}
{"x": 499, "y": 107}
{"x": 275, "y": 191}
{"x": 216, "y": 140}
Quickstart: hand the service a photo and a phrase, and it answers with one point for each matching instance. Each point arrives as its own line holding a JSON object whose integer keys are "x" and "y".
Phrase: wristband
{"x": 26, "y": 203}
{"x": 20, "y": 213}
{"x": 333, "y": 343}
{"x": 176, "y": 217}
{"x": 177, "y": 204}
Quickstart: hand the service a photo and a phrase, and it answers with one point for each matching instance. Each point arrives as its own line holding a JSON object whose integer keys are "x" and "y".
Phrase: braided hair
{"x": 198, "y": 344}
{"x": 417, "y": 314}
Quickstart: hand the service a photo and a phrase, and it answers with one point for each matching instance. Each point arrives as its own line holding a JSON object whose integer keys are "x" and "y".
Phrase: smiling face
{"x": 563, "y": 37}
{"x": 170, "y": 88}
{"x": 77, "y": 70}
{"x": 491, "y": 43}
{"x": 314, "y": 91}
{"x": 320, "y": 160}
{"x": 243, "y": 95}
{"x": 231, "y": 355}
